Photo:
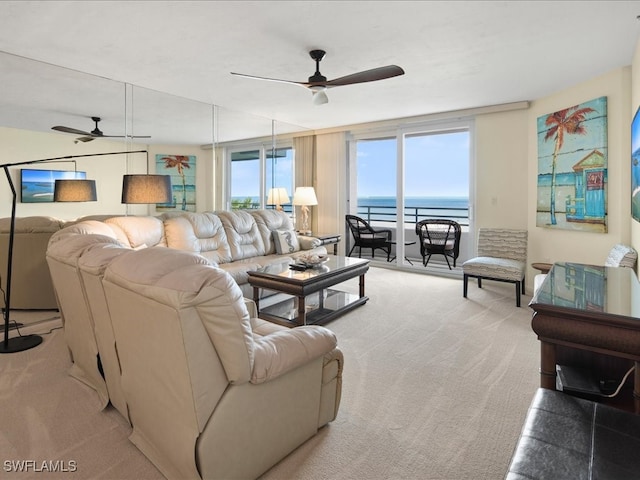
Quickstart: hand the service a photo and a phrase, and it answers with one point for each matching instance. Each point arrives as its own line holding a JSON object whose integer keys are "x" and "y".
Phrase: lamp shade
{"x": 277, "y": 196}
{"x": 146, "y": 189}
{"x": 75, "y": 190}
{"x": 305, "y": 196}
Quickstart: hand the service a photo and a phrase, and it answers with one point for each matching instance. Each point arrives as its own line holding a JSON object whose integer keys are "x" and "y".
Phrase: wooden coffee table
{"x": 307, "y": 297}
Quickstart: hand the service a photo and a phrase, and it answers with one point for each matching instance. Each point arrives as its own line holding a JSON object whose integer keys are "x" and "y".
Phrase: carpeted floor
{"x": 434, "y": 387}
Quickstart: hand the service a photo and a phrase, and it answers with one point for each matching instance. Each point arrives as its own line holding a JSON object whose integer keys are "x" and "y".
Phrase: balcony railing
{"x": 388, "y": 214}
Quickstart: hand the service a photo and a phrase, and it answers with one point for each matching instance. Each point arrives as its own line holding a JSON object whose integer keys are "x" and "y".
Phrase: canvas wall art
{"x": 635, "y": 166}
{"x": 572, "y": 168}
{"x": 38, "y": 185}
{"x": 182, "y": 169}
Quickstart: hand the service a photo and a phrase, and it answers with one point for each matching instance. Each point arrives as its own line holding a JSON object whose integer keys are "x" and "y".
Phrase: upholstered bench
{"x": 566, "y": 437}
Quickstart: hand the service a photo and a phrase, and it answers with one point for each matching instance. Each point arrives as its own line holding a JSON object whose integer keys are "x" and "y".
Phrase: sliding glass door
{"x": 411, "y": 175}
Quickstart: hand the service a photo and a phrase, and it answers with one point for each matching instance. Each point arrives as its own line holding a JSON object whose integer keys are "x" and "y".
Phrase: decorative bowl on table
{"x": 311, "y": 260}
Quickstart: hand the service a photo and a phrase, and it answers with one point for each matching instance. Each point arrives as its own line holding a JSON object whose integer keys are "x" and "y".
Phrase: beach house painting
{"x": 572, "y": 168}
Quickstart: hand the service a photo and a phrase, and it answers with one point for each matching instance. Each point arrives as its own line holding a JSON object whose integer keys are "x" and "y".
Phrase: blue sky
{"x": 437, "y": 165}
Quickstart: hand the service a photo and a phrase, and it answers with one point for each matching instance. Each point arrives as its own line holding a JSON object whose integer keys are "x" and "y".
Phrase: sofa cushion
{"x": 177, "y": 279}
{"x": 87, "y": 227}
{"x": 245, "y": 240}
{"x": 566, "y": 437}
{"x": 268, "y": 221}
{"x": 139, "y": 230}
{"x": 285, "y": 241}
{"x": 35, "y": 224}
{"x": 202, "y": 233}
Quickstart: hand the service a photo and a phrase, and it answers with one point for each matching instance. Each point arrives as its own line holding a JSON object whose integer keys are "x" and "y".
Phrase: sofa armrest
{"x": 285, "y": 350}
{"x": 308, "y": 243}
{"x": 251, "y": 307}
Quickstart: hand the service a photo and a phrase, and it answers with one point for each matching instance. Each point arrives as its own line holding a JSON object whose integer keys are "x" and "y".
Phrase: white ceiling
{"x": 456, "y": 55}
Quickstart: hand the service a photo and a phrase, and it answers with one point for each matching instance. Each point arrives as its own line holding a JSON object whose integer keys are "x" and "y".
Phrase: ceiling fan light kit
{"x": 319, "y": 95}
{"x": 318, "y": 83}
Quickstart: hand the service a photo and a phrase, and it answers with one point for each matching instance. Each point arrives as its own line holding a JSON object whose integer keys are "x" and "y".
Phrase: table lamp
{"x": 305, "y": 196}
{"x": 277, "y": 196}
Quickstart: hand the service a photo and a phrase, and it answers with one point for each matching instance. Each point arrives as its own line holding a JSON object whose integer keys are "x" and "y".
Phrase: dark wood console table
{"x": 589, "y": 316}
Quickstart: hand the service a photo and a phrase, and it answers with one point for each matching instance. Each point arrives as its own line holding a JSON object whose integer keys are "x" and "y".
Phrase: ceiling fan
{"x": 318, "y": 83}
{"x": 95, "y": 133}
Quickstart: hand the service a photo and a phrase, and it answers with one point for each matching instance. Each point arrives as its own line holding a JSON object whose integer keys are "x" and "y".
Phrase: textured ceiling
{"x": 456, "y": 55}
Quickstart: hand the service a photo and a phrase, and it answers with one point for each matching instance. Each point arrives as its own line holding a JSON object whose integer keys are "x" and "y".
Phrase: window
{"x": 436, "y": 181}
{"x": 411, "y": 174}
{"x": 253, "y": 171}
{"x": 245, "y": 179}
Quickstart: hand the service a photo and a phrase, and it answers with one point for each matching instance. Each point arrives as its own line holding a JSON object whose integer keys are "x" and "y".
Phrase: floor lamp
{"x": 66, "y": 192}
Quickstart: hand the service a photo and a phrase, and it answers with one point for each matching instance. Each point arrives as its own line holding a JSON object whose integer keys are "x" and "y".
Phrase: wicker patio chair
{"x": 439, "y": 237}
{"x": 502, "y": 256}
{"x": 368, "y": 237}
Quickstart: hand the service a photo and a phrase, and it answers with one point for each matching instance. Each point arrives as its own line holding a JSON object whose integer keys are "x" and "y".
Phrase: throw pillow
{"x": 285, "y": 241}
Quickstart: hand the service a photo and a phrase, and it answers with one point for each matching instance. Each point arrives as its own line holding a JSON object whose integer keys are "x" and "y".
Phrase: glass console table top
{"x": 576, "y": 286}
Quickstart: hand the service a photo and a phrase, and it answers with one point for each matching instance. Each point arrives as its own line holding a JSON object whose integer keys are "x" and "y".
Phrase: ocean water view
{"x": 383, "y": 208}
{"x": 415, "y": 208}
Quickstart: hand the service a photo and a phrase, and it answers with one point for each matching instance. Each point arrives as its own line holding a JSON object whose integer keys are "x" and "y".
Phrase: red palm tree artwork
{"x": 180, "y": 163}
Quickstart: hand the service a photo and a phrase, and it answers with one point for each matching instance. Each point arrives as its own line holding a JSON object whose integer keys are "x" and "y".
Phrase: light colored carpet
{"x": 434, "y": 387}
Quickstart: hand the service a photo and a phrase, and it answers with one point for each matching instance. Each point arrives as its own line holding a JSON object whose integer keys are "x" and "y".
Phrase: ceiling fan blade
{"x": 96, "y": 133}
{"x": 372, "y": 75}
{"x": 75, "y": 131}
{"x": 304, "y": 84}
{"x": 122, "y": 136}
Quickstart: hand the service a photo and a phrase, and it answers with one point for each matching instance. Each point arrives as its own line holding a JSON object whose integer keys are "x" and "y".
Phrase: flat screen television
{"x": 37, "y": 185}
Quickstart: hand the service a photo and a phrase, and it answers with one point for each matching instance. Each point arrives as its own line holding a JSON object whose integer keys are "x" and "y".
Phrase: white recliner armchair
{"x": 211, "y": 392}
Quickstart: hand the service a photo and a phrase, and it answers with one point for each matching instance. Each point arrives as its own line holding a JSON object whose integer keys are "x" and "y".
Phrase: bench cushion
{"x": 566, "y": 437}
{"x": 492, "y": 267}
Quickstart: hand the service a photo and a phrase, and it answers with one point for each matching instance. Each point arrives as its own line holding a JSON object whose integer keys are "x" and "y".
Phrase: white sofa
{"x": 236, "y": 241}
{"x": 31, "y": 287}
{"x": 165, "y": 334}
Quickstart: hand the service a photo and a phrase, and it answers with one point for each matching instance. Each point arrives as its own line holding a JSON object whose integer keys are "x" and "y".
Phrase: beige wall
{"x": 500, "y": 161}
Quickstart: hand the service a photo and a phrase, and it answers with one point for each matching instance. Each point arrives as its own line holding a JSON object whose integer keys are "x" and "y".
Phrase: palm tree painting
{"x": 182, "y": 169}
{"x": 572, "y": 168}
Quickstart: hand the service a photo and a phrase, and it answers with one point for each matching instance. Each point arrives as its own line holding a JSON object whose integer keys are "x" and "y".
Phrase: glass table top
{"x": 576, "y": 286}
{"x": 333, "y": 263}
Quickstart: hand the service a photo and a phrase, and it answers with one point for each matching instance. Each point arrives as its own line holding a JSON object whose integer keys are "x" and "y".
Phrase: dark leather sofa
{"x": 566, "y": 437}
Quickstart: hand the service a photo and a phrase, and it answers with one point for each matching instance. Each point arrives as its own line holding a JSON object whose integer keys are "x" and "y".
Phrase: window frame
{"x": 264, "y": 150}
{"x": 400, "y": 132}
